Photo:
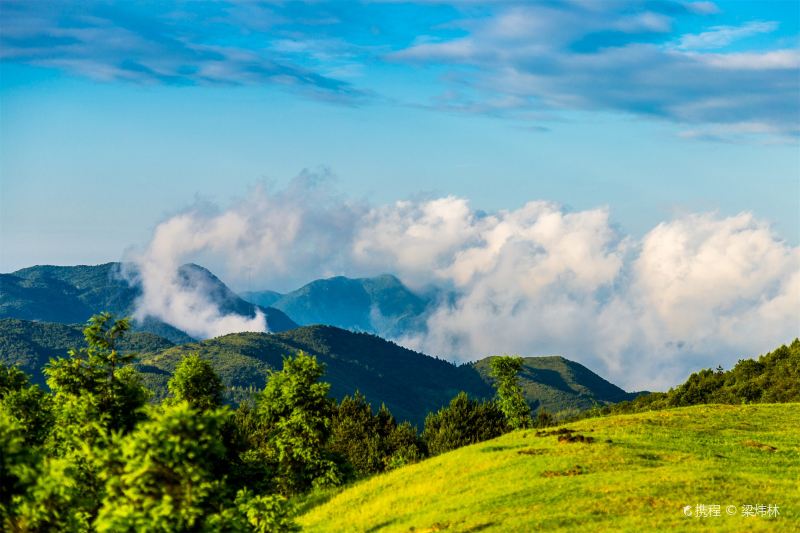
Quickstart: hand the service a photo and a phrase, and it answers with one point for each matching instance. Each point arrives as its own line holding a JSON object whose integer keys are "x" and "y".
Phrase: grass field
{"x": 639, "y": 473}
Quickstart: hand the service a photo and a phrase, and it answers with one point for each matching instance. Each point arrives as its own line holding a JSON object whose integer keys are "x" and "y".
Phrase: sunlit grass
{"x": 637, "y": 475}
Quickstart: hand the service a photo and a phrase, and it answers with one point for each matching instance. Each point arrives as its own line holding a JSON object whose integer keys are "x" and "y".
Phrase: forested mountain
{"x": 410, "y": 383}
{"x": 29, "y": 345}
{"x": 71, "y": 294}
{"x": 381, "y": 305}
{"x": 558, "y": 384}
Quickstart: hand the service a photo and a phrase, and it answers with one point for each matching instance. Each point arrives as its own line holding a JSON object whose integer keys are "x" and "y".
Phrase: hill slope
{"x": 30, "y": 345}
{"x": 558, "y": 384}
{"x": 71, "y": 294}
{"x": 381, "y": 305}
{"x": 410, "y": 383}
{"x": 639, "y": 474}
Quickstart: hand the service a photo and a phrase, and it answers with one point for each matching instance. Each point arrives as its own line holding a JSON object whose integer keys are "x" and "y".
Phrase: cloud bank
{"x": 527, "y": 61}
{"x": 528, "y": 58}
{"x": 695, "y": 291}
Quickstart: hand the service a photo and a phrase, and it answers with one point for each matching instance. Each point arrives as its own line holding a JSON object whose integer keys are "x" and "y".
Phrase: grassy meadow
{"x": 621, "y": 473}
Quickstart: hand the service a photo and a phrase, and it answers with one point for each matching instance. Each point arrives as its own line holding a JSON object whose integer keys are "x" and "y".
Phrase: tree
{"x": 169, "y": 474}
{"x": 196, "y": 383}
{"x": 96, "y": 394}
{"x": 19, "y": 467}
{"x": 464, "y": 421}
{"x": 98, "y": 381}
{"x": 356, "y": 436}
{"x": 510, "y": 399}
{"x": 371, "y": 442}
{"x": 294, "y": 412}
{"x": 27, "y": 403}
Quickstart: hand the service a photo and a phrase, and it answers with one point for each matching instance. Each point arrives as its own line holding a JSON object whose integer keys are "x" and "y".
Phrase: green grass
{"x": 637, "y": 475}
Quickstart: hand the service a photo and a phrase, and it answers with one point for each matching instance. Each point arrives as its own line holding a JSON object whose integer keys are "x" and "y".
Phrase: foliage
{"x": 295, "y": 414}
{"x": 510, "y": 400}
{"x": 773, "y": 377}
{"x": 28, "y": 404}
{"x": 97, "y": 382}
{"x": 464, "y": 421}
{"x": 170, "y": 473}
{"x": 196, "y": 383}
{"x": 29, "y": 345}
{"x": 18, "y": 467}
{"x": 270, "y": 513}
{"x": 95, "y": 393}
{"x": 411, "y": 384}
{"x": 371, "y": 442}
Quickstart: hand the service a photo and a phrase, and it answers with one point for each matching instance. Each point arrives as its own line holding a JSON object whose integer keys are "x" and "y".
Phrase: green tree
{"x": 294, "y": 413}
{"x": 98, "y": 378}
{"x": 464, "y": 421}
{"x": 504, "y": 370}
{"x": 27, "y": 403}
{"x": 196, "y": 382}
{"x": 96, "y": 394}
{"x": 19, "y": 467}
{"x": 169, "y": 474}
{"x": 371, "y": 442}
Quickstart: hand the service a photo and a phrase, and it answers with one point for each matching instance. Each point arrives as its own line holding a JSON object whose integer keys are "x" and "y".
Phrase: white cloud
{"x": 722, "y": 36}
{"x": 696, "y": 291}
{"x": 615, "y": 56}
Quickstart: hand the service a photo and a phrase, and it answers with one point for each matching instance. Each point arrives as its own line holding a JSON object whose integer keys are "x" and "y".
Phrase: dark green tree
{"x": 510, "y": 399}
{"x": 464, "y": 421}
{"x": 371, "y": 442}
{"x": 196, "y": 382}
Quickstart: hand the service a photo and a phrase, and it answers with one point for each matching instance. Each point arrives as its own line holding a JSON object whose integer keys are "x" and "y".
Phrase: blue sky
{"x": 116, "y": 116}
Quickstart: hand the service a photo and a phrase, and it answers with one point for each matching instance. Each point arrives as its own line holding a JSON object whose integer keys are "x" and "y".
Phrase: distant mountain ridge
{"x": 71, "y": 294}
{"x": 29, "y": 345}
{"x": 411, "y": 384}
{"x": 381, "y": 304}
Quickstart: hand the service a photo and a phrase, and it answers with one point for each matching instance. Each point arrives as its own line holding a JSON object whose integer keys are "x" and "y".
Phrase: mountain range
{"x": 71, "y": 294}
{"x": 381, "y": 305}
{"x": 42, "y": 310}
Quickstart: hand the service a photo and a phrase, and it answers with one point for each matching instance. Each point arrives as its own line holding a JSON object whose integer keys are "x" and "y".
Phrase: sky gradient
{"x": 650, "y": 108}
{"x": 593, "y": 145}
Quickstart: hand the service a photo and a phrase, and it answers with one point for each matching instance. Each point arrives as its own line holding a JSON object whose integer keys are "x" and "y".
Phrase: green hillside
{"x": 30, "y": 345}
{"x": 558, "y": 384}
{"x": 71, "y": 294}
{"x": 622, "y": 473}
{"x": 771, "y": 378}
{"x": 380, "y": 305}
{"x": 411, "y": 384}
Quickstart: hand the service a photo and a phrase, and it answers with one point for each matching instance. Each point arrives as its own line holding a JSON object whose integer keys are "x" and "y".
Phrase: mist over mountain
{"x": 537, "y": 278}
{"x": 72, "y": 294}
